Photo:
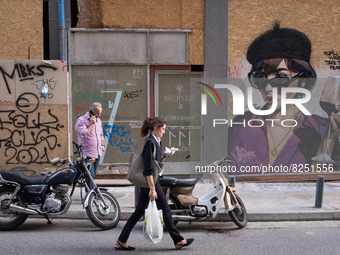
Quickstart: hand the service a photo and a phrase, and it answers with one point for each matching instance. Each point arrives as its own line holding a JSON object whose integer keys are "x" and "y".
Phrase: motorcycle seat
{"x": 19, "y": 177}
{"x": 171, "y": 181}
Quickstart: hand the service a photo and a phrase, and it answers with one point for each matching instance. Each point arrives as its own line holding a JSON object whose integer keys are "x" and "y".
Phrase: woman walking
{"x": 155, "y": 127}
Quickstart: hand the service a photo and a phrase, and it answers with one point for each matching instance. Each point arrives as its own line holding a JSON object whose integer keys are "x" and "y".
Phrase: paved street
{"x": 81, "y": 237}
{"x": 283, "y": 220}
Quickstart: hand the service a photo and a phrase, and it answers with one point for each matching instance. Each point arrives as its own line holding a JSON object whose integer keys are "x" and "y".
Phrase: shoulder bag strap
{"x": 154, "y": 151}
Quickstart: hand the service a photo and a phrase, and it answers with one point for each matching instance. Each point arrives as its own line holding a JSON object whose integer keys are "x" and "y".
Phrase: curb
{"x": 224, "y": 217}
{"x": 306, "y": 216}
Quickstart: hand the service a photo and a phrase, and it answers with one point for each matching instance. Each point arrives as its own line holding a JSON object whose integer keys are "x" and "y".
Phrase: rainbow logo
{"x": 209, "y": 93}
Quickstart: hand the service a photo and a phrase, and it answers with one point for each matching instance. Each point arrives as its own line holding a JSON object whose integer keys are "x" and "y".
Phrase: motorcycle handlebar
{"x": 80, "y": 153}
{"x": 78, "y": 147}
{"x": 84, "y": 159}
{"x": 64, "y": 160}
{"x": 80, "y": 159}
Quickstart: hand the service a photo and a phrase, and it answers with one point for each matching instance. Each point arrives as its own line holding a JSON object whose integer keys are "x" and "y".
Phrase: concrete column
{"x": 215, "y": 68}
{"x": 216, "y": 39}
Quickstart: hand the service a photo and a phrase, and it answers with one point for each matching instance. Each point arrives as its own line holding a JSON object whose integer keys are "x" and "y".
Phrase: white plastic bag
{"x": 153, "y": 223}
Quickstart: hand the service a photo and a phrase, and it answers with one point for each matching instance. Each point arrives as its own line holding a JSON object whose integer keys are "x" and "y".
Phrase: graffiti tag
{"x": 24, "y": 72}
{"x": 25, "y": 135}
{"x": 119, "y": 137}
{"x": 132, "y": 95}
{"x": 333, "y": 59}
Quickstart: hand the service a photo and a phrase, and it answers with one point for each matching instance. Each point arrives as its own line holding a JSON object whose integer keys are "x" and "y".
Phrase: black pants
{"x": 143, "y": 203}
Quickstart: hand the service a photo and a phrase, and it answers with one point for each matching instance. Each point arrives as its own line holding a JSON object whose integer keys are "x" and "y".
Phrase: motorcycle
{"x": 185, "y": 207}
{"x": 48, "y": 194}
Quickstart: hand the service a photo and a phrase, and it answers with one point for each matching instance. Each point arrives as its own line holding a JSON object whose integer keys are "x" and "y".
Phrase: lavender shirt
{"x": 248, "y": 146}
{"x": 92, "y": 143}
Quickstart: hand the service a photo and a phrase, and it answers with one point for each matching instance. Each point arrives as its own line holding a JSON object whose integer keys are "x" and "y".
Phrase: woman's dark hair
{"x": 150, "y": 123}
{"x": 308, "y": 74}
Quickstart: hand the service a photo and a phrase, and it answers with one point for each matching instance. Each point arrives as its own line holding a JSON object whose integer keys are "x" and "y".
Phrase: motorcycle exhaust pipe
{"x": 21, "y": 209}
{"x": 184, "y": 217}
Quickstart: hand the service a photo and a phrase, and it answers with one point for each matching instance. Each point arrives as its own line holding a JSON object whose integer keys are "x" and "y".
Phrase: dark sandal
{"x": 121, "y": 247}
{"x": 180, "y": 246}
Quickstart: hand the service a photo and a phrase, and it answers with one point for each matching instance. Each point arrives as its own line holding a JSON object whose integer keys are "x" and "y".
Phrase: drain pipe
{"x": 61, "y": 13}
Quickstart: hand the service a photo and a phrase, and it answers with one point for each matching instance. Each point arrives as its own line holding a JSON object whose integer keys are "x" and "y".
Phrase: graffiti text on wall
{"x": 25, "y": 136}
{"x": 333, "y": 59}
{"x": 119, "y": 137}
{"x": 133, "y": 95}
{"x": 24, "y": 72}
{"x": 45, "y": 86}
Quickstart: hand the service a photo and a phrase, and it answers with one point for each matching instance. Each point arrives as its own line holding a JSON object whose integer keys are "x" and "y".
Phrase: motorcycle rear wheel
{"x": 10, "y": 220}
{"x": 104, "y": 218}
{"x": 239, "y": 216}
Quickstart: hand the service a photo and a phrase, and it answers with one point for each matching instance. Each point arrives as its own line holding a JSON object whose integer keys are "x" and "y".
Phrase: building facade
{"x": 139, "y": 58}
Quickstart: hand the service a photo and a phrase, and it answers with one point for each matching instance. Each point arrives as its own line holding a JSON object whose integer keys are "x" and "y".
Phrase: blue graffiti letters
{"x": 119, "y": 137}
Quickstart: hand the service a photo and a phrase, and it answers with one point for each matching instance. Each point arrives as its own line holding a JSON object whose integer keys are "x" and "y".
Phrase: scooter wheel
{"x": 239, "y": 215}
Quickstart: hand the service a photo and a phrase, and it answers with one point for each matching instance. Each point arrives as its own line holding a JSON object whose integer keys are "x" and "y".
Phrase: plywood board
{"x": 21, "y": 29}
{"x": 318, "y": 19}
{"x": 33, "y": 113}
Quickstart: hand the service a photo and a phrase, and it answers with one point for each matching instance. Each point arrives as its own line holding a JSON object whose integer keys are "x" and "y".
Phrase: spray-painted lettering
{"x": 132, "y": 95}
{"x": 119, "y": 137}
{"x": 333, "y": 59}
{"x": 25, "y": 136}
{"x": 24, "y": 72}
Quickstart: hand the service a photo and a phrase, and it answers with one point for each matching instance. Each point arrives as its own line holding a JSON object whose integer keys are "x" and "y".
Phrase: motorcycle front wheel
{"x": 101, "y": 216}
{"x": 239, "y": 215}
{"x": 8, "y": 219}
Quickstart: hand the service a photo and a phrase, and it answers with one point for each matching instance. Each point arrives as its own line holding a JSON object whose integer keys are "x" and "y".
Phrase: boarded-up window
{"x": 122, "y": 90}
{"x": 177, "y": 102}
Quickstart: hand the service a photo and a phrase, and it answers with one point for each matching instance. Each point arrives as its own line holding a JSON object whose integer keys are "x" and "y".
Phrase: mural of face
{"x": 282, "y": 74}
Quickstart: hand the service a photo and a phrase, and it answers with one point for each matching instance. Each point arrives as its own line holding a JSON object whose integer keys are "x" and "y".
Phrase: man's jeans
{"x": 93, "y": 171}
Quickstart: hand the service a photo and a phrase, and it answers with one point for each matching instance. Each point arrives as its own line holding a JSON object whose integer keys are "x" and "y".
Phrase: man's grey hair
{"x": 95, "y": 105}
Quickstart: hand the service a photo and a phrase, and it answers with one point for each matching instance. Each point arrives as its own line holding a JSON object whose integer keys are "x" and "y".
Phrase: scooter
{"x": 186, "y": 207}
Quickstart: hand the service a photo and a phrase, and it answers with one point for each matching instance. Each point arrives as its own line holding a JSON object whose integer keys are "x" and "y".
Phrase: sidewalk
{"x": 277, "y": 201}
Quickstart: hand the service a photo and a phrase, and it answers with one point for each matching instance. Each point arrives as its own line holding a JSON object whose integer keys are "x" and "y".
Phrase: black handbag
{"x": 136, "y": 167}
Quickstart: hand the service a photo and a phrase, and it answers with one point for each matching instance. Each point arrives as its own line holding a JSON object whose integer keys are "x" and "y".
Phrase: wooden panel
{"x": 33, "y": 114}
{"x": 21, "y": 29}
{"x": 193, "y": 14}
{"x": 90, "y": 15}
{"x": 142, "y": 13}
{"x": 175, "y": 14}
{"x": 318, "y": 19}
{"x": 196, "y": 47}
